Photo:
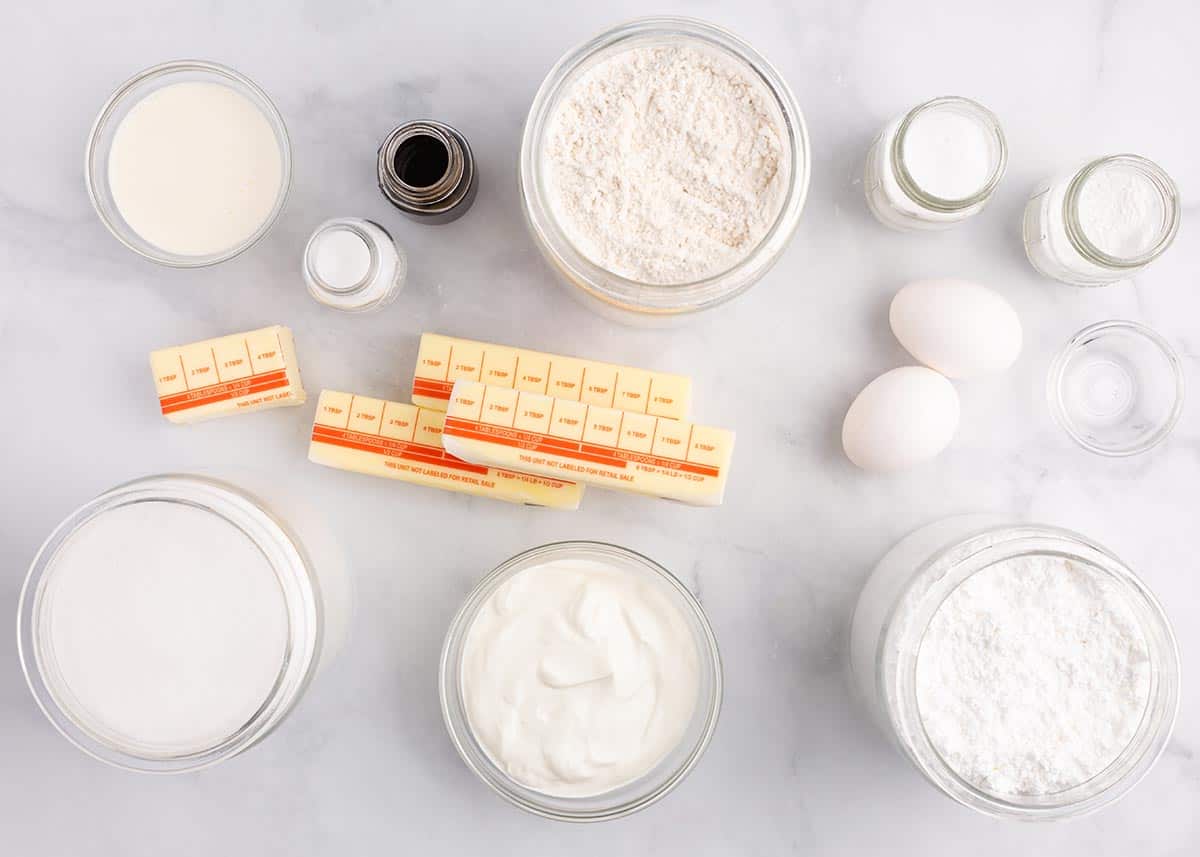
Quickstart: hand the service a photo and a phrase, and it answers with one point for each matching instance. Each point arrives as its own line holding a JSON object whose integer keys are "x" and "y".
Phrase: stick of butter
{"x": 442, "y": 360}
{"x": 404, "y": 442}
{"x": 501, "y": 427}
{"x": 227, "y": 375}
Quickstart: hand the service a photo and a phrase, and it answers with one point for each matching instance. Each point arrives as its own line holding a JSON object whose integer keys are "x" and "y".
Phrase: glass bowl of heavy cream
{"x": 663, "y": 168}
{"x": 1024, "y": 670}
{"x": 581, "y": 681}
{"x": 188, "y": 164}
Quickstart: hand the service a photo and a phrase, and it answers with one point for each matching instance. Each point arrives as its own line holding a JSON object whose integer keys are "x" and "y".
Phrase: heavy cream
{"x": 578, "y": 677}
{"x": 195, "y": 168}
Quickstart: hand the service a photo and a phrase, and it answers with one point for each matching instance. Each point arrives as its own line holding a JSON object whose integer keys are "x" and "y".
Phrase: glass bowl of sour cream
{"x": 188, "y": 164}
{"x": 581, "y": 681}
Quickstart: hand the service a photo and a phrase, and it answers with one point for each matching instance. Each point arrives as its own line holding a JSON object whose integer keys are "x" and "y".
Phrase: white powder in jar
{"x": 341, "y": 258}
{"x": 1032, "y": 676}
{"x": 666, "y": 164}
{"x": 949, "y": 153}
{"x": 1121, "y": 211}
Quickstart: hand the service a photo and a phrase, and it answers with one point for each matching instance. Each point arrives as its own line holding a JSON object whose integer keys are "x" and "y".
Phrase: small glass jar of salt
{"x": 353, "y": 265}
{"x": 936, "y": 165}
{"x": 1103, "y": 222}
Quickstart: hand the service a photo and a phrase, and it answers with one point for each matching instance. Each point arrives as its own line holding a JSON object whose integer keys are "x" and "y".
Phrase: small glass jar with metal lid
{"x": 936, "y": 165}
{"x": 353, "y": 265}
{"x": 899, "y": 603}
{"x": 427, "y": 170}
{"x": 1103, "y": 222}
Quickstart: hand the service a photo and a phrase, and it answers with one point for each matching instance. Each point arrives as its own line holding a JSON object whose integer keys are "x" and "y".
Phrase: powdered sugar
{"x": 1032, "y": 676}
{"x": 666, "y": 164}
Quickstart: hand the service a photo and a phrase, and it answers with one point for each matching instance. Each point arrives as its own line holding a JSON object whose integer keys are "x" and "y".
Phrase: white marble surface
{"x": 364, "y": 766}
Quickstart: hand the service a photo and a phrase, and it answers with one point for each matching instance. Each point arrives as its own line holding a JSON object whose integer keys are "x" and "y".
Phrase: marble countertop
{"x": 363, "y": 765}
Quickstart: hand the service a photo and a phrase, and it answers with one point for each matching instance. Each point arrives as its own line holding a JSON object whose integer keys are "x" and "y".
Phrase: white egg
{"x": 903, "y": 417}
{"x": 959, "y": 328}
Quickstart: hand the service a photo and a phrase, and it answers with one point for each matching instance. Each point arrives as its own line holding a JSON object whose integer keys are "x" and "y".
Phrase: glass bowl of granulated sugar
{"x": 664, "y": 165}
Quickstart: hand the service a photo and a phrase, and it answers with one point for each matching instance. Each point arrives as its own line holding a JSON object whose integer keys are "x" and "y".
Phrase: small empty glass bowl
{"x": 117, "y": 107}
{"x": 1117, "y": 388}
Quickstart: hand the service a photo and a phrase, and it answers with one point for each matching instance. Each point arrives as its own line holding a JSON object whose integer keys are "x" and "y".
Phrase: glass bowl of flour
{"x": 1024, "y": 670}
{"x": 188, "y": 163}
{"x": 663, "y": 168}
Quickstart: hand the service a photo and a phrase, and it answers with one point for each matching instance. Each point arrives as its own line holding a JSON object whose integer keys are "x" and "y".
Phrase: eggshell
{"x": 903, "y": 417}
{"x": 959, "y": 328}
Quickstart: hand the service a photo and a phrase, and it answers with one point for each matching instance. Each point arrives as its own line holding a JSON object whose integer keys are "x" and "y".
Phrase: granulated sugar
{"x": 666, "y": 164}
{"x": 1032, "y": 676}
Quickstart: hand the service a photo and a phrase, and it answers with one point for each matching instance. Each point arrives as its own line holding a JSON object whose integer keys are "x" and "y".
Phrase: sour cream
{"x": 578, "y": 677}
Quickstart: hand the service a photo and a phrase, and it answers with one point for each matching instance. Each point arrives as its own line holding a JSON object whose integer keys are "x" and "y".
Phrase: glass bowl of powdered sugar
{"x": 663, "y": 168}
{"x": 1023, "y": 669}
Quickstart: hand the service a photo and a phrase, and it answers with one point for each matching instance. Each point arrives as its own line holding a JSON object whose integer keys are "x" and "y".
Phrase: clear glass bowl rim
{"x": 648, "y": 298}
{"x": 450, "y": 668}
{"x": 1055, "y": 377}
{"x": 966, "y": 555}
{"x": 306, "y": 630}
{"x": 94, "y": 175}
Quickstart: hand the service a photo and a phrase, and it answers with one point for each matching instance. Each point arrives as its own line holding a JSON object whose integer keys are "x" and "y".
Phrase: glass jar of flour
{"x": 1103, "y": 222}
{"x": 936, "y": 165}
{"x": 1024, "y": 670}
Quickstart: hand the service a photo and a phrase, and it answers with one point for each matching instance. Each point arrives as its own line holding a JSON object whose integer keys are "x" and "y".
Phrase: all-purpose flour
{"x": 666, "y": 164}
{"x": 1032, "y": 676}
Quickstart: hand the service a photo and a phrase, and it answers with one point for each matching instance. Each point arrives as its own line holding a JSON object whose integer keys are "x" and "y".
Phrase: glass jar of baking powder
{"x": 1103, "y": 222}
